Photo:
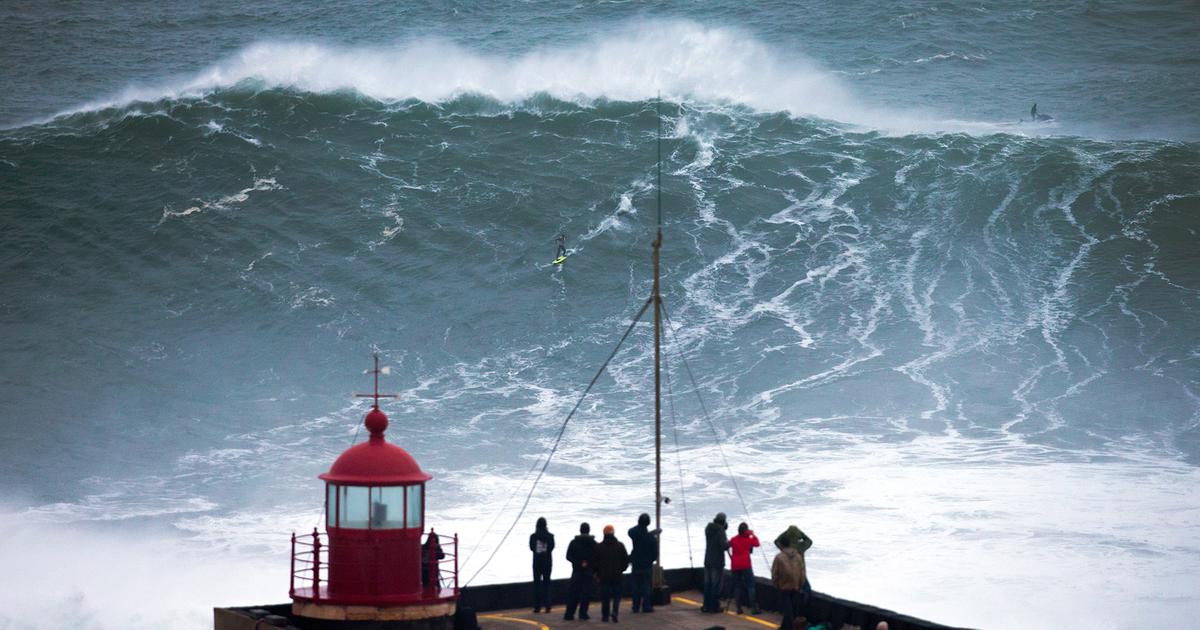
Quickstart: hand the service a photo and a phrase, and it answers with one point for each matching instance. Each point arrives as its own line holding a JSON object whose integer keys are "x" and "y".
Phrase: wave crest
{"x": 680, "y": 60}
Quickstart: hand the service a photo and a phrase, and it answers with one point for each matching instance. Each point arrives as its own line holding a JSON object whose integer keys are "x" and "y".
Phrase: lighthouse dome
{"x": 375, "y": 462}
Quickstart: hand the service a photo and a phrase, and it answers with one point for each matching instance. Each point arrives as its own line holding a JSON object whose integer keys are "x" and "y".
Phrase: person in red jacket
{"x": 743, "y": 573}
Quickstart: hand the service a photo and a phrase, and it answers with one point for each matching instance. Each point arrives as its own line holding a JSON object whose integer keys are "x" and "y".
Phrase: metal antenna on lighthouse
{"x": 377, "y": 371}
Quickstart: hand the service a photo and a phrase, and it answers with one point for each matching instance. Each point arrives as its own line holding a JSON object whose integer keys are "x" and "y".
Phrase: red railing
{"x": 310, "y": 565}
{"x": 443, "y": 571}
{"x": 307, "y": 562}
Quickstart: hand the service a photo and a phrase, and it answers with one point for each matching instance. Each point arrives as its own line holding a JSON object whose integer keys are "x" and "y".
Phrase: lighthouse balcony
{"x": 373, "y": 573}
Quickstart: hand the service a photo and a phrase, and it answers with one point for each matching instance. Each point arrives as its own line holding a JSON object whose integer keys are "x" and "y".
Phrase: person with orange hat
{"x": 611, "y": 561}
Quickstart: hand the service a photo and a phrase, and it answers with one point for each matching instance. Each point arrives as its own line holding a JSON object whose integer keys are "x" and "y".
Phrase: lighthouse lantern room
{"x": 376, "y": 561}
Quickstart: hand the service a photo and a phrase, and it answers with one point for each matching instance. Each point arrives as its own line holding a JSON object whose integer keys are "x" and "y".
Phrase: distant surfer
{"x": 1036, "y": 117}
{"x": 562, "y": 247}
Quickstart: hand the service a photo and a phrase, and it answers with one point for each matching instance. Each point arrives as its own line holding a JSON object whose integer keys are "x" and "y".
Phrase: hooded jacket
{"x": 787, "y": 572}
{"x": 541, "y": 543}
{"x": 611, "y": 559}
{"x": 645, "y": 547}
{"x": 581, "y": 553}
{"x": 798, "y": 539}
{"x": 715, "y": 545}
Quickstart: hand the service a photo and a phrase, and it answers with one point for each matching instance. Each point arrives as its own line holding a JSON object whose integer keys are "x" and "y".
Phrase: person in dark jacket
{"x": 642, "y": 557}
{"x": 715, "y": 545}
{"x": 581, "y": 553}
{"x": 431, "y": 553}
{"x": 541, "y": 543}
{"x": 611, "y": 562}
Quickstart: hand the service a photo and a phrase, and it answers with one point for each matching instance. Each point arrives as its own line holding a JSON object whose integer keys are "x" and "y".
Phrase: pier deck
{"x": 683, "y": 614}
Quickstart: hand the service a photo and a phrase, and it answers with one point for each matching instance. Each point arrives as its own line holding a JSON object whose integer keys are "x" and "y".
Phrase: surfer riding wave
{"x": 1036, "y": 117}
{"x": 562, "y": 247}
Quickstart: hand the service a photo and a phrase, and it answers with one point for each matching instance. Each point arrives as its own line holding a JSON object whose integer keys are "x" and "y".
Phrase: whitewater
{"x": 961, "y": 351}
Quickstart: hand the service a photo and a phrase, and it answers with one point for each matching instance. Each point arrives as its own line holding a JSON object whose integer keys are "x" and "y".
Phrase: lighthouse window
{"x": 414, "y": 507}
{"x": 331, "y": 506}
{"x": 387, "y": 507}
{"x": 354, "y": 507}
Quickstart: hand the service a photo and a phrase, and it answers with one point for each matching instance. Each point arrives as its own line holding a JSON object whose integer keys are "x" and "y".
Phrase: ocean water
{"x": 960, "y": 350}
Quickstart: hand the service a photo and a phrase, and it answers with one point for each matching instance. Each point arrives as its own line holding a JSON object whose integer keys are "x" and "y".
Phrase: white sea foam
{"x": 954, "y": 55}
{"x": 224, "y": 202}
{"x": 624, "y": 209}
{"x": 937, "y": 511}
{"x": 972, "y": 524}
{"x": 59, "y": 576}
{"x": 681, "y": 60}
{"x": 115, "y": 507}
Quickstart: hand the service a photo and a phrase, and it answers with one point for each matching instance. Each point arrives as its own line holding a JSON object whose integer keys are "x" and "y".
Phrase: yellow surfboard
{"x": 559, "y": 260}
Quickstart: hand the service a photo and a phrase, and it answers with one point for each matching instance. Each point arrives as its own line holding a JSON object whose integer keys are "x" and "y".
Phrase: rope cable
{"x": 511, "y": 496}
{"x": 558, "y": 439}
{"x": 687, "y": 527}
{"x": 712, "y": 427}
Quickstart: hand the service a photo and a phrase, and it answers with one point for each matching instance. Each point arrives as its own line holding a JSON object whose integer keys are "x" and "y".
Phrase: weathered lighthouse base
{"x": 353, "y": 618}
{"x": 333, "y": 612}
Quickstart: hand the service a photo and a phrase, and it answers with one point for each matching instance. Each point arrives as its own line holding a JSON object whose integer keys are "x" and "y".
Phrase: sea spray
{"x": 968, "y": 359}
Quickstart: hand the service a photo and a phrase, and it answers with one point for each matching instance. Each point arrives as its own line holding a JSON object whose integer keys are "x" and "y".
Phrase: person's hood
{"x": 610, "y": 539}
{"x": 585, "y": 537}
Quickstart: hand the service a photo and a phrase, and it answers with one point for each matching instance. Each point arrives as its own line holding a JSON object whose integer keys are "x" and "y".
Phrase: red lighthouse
{"x": 376, "y": 561}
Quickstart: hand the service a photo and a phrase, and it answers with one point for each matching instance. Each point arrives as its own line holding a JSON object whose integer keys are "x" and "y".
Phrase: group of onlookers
{"x": 599, "y": 564}
{"x": 716, "y": 546}
{"x": 603, "y": 563}
{"x": 787, "y": 571}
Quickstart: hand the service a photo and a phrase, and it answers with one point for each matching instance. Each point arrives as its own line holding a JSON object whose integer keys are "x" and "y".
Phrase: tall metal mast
{"x": 658, "y": 498}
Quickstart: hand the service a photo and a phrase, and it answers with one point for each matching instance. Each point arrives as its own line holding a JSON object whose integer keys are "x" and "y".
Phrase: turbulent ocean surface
{"x": 960, "y": 350}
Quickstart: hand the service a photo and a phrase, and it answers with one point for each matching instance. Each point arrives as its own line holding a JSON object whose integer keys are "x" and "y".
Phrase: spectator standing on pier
{"x": 642, "y": 557}
{"x": 799, "y": 541}
{"x": 580, "y": 553}
{"x": 541, "y": 543}
{"x": 788, "y": 574}
{"x": 611, "y": 562}
{"x": 715, "y": 546}
{"x": 741, "y": 547}
{"x": 431, "y": 555}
